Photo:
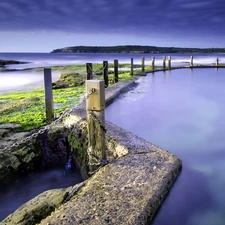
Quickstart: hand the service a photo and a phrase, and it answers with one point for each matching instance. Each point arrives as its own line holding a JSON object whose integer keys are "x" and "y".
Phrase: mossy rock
{"x": 9, "y": 165}
{"x": 7, "y": 62}
{"x": 11, "y": 133}
{"x": 59, "y": 84}
{"x": 69, "y": 80}
{"x": 37, "y": 208}
{"x": 18, "y": 161}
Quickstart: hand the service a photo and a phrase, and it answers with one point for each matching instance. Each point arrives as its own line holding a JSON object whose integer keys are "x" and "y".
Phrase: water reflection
{"x": 183, "y": 113}
{"x": 195, "y": 198}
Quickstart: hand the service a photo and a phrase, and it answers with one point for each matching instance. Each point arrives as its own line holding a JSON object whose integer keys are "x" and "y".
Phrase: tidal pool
{"x": 24, "y": 189}
{"x": 182, "y": 111}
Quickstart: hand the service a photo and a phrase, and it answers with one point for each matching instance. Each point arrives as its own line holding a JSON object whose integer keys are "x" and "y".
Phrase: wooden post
{"x": 153, "y": 62}
{"x": 169, "y": 62}
{"x": 143, "y": 64}
{"x": 116, "y": 65}
{"x": 191, "y": 61}
{"x": 89, "y": 71}
{"x": 49, "y": 108}
{"x": 217, "y": 61}
{"x": 164, "y": 62}
{"x": 132, "y": 67}
{"x": 95, "y": 106}
{"x": 105, "y": 73}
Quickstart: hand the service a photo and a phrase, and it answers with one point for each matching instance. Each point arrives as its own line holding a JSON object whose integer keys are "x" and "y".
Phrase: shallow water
{"x": 26, "y": 188}
{"x": 56, "y": 59}
{"x": 183, "y": 112}
{"x": 23, "y": 80}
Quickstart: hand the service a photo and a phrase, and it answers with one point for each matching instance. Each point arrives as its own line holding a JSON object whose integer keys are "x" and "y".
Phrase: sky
{"x": 44, "y": 25}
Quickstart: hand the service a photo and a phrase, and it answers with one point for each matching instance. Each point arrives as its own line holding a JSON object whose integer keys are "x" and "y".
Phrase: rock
{"x": 11, "y": 126}
{"x": 54, "y": 146}
{"x": 99, "y": 72}
{"x": 59, "y": 84}
{"x": 3, "y": 133}
{"x": 42, "y": 151}
{"x": 18, "y": 161}
{"x": 34, "y": 99}
{"x": 69, "y": 80}
{"x": 37, "y": 208}
{"x": 10, "y": 133}
{"x": 7, "y": 62}
{"x": 9, "y": 165}
{"x": 143, "y": 74}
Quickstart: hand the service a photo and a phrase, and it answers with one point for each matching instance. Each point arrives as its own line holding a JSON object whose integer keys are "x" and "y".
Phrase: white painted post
{"x": 49, "y": 108}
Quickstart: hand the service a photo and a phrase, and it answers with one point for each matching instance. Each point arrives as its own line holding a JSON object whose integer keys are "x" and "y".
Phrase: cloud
{"x": 134, "y": 16}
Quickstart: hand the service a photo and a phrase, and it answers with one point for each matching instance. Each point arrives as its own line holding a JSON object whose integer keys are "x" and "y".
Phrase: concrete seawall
{"x": 130, "y": 188}
{"x": 127, "y": 191}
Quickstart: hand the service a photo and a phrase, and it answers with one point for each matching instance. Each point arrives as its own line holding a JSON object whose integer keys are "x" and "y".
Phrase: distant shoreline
{"x": 135, "y": 49}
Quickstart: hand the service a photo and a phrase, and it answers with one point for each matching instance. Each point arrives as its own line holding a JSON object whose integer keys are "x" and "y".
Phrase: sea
{"x": 56, "y": 59}
{"x": 183, "y": 112}
{"x": 25, "y": 79}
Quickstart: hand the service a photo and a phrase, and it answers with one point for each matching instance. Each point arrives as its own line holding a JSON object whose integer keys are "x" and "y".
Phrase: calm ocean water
{"x": 18, "y": 80}
{"x": 52, "y": 59}
{"x": 183, "y": 112}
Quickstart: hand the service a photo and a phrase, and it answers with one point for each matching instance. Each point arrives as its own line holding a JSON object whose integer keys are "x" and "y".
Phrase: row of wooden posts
{"x": 95, "y": 106}
{"x": 89, "y": 71}
{"x": 89, "y": 68}
{"x": 89, "y": 76}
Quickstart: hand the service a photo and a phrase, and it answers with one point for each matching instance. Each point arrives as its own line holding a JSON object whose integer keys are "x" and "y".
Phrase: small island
{"x": 135, "y": 49}
{"x": 3, "y": 62}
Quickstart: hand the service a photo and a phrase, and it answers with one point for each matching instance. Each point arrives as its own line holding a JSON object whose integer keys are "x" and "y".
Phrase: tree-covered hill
{"x": 135, "y": 49}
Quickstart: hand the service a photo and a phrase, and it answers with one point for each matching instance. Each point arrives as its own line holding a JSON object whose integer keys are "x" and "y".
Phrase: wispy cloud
{"x": 134, "y": 16}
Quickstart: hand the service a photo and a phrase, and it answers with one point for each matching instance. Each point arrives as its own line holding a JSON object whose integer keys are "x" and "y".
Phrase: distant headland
{"x": 135, "y": 49}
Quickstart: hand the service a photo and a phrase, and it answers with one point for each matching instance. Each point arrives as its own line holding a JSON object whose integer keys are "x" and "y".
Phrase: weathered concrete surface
{"x": 130, "y": 189}
{"x": 127, "y": 191}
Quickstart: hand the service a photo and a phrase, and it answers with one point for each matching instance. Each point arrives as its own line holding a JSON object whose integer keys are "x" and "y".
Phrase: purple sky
{"x": 44, "y": 25}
